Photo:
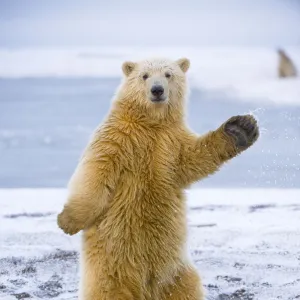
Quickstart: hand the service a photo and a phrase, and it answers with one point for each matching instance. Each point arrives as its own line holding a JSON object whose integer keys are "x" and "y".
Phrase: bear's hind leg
{"x": 186, "y": 286}
{"x": 96, "y": 293}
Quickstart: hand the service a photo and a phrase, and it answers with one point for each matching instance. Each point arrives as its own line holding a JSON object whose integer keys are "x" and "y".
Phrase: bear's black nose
{"x": 157, "y": 90}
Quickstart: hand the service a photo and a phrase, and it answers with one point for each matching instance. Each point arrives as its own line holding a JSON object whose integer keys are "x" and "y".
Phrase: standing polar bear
{"x": 127, "y": 191}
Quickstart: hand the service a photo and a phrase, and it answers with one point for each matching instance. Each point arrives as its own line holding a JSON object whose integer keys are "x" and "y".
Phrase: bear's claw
{"x": 243, "y": 129}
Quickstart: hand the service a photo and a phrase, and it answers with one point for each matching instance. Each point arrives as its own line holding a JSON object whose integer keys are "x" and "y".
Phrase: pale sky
{"x": 31, "y": 23}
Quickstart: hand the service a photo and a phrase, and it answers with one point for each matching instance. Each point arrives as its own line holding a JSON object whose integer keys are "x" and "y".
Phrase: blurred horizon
{"x": 33, "y": 23}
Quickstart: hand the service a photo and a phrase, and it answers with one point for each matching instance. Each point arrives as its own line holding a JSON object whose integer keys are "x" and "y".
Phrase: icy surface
{"x": 245, "y": 244}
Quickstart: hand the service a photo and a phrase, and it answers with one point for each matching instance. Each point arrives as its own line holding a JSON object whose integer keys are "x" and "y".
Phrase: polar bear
{"x": 286, "y": 67}
{"x": 127, "y": 192}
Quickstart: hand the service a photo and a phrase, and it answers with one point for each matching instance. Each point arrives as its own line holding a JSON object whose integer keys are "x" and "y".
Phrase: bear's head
{"x": 157, "y": 86}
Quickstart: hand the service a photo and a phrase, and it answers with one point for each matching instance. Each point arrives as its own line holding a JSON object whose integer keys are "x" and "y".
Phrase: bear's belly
{"x": 147, "y": 232}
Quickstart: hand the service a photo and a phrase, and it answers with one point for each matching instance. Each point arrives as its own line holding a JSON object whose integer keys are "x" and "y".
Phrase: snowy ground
{"x": 244, "y": 242}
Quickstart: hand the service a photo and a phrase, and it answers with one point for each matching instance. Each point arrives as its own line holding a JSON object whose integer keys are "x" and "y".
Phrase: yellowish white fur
{"x": 127, "y": 193}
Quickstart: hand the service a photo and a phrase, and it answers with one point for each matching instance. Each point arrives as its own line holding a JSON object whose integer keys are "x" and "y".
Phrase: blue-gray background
{"x": 46, "y": 122}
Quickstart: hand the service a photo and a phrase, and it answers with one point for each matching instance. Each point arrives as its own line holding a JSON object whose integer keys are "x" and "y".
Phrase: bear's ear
{"x": 128, "y": 67}
{"x": 183, "y": 64}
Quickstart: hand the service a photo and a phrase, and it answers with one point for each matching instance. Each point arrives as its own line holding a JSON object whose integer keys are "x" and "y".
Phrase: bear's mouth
{"x": 158, "y": 99}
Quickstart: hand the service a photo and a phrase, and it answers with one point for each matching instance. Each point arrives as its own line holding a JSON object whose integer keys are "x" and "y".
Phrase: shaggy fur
{"x": 127, "y": 193}
{"x": 286, "y": 68}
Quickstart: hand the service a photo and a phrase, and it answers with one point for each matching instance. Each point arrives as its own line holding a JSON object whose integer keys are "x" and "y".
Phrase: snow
{"x": 243, "y": 72}
{"x": 243, "y": 241}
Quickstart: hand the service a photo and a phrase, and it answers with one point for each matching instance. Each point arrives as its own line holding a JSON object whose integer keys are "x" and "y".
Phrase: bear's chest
{"x": 156, "y": 157}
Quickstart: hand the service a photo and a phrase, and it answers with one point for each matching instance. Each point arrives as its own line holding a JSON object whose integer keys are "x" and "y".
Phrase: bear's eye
{"x": 145, "y": 76}
{"x": 168, "y": 75}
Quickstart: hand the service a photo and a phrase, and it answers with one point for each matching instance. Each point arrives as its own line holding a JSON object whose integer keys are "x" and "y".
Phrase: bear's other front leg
{"x": 202, "y": 156}
{"x": 91, "y": 186}
{"x": 89, "y": 192}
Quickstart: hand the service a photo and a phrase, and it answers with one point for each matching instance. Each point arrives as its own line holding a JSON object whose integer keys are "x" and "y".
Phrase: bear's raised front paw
{"x": 243, "y": 129}
{"x": 66, "y": 223}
